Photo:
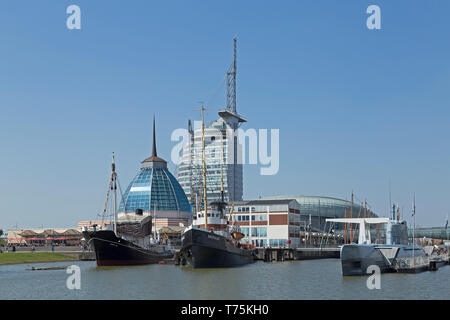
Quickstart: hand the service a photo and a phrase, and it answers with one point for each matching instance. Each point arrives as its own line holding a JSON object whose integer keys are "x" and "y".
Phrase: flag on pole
{"x": 414, "y": 206}
{"x": 446, "y": 223}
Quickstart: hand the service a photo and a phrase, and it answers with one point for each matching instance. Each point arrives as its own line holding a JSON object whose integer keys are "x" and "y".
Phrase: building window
{"x": 278, "y": 243}
{"x": 259, "y": 232}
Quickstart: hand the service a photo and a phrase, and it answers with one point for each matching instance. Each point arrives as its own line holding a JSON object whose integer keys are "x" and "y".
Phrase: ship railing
{"x": 442, "y": 256}
{"x": 411, "y": 262}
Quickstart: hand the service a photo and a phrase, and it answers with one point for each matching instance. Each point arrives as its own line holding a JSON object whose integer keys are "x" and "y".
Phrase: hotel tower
{"x": 222, "y": 151}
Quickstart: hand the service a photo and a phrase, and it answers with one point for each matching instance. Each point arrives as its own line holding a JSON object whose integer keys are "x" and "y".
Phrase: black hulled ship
{"x": 211, "y": 241}
{"x": 133, "y": 244}
{"x": 153, "y": 193}
{"x": 215, "y": 245}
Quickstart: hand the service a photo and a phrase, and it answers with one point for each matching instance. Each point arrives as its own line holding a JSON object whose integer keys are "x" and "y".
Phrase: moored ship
{"x": 113, "y": 250}
{"x": 211, "y": 241}
{"x": 130, "y": 240}
{"x": 214, "y": 246}
{"x": 356, "y": 258}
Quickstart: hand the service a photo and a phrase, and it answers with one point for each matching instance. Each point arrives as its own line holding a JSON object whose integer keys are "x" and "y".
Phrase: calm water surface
{"x": 319, "y": 279}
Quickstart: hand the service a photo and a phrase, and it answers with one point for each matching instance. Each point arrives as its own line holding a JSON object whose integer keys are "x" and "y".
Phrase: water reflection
{"x": 317, "y": 279}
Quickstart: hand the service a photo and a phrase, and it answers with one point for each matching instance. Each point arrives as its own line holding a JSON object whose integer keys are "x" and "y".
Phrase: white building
{"x": 221, "y": 141}
{"x": 268, "y": 223}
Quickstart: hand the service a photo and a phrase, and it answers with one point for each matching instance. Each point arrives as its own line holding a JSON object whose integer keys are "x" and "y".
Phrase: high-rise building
{"x": 222, "y": 150}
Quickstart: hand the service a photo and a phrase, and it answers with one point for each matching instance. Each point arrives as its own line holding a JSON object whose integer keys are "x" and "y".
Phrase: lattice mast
{"x": 231, "y": 82}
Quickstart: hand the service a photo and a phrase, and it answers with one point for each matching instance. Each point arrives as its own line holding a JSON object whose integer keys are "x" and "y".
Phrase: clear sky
{"x": 356, "y": 108}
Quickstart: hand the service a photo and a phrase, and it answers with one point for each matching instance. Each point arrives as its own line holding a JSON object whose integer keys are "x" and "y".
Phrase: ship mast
{"x": 222, "y": 205}
{"x": 351, "y": 216}
{"x": 345, "y": 225}
{"x": 114, "y": 188}
{"x": 205, "y": 200}
{"x": 221, "y": 167}
{"x": 414, "y": 225}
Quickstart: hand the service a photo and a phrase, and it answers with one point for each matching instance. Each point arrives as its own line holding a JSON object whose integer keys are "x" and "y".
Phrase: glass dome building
{"x": 155, "y": 191}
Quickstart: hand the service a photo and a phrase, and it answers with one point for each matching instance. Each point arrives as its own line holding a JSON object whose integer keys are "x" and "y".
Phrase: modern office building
{"x": 268, "y": 223}
{"x": 155, "y": 191}
{"x": 314, "y": 210}
{"x": 221, "y": 151}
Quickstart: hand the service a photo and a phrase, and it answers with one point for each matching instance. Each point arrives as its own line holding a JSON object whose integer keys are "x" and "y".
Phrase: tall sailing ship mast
{"x": 205, "y": 194}
{"x": 215, "y": 244}
{"x": 114, "y": 188}
{"x": 130, "y": 241}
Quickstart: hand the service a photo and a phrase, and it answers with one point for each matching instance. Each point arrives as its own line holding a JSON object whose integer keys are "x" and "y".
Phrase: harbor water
{"x": 315, "y": 279}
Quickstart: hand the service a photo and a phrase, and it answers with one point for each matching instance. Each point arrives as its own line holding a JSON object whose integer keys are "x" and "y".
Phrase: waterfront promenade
{"x": 44, "y": 249}
{"x": 43, "y": 254}
{"x": 35, "y": 257}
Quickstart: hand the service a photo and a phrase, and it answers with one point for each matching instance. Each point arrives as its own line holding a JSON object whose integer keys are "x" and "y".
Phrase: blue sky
{"x": 356, "y": 108}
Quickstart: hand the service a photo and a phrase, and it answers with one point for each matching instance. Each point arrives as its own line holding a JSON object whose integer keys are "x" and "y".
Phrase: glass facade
{"x": 318, "y": 209}
{"x": 154, "y": 189}
{"x": 433, "y": 232}
{"x": 278, "y": 243}
{"x": 217, "y": 145}
{"x": 259, "y": 231}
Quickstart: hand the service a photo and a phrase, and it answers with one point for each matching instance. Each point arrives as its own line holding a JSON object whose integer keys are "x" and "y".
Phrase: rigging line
{"x": 106, "y": 201}
{"x": 356, "y": 198}
{"x": 359, "y": 200}
{"x": 214, "y": 93}
{"x": 356, "y": 227}
{"x": 345, "y": 234}
{"x": 120, "y": 188}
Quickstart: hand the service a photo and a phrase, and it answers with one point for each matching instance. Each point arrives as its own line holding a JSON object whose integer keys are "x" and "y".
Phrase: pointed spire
{"x": 150, "y": 162}
{"x": 154, "y": 154}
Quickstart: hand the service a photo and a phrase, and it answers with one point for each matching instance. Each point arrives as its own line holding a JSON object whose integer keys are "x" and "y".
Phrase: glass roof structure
{"x": 154, "y": 188}
{"x": 433, "y": 232}
{"x": 327, "y": 206}
{"x": 317, "y": 209}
